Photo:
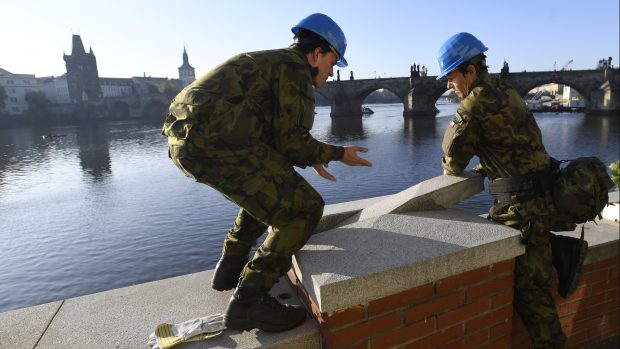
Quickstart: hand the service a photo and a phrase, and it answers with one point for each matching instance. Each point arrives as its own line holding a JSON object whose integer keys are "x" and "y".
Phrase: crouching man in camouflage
{"x": 240, "y": 129}
{"x": 493, "y": 123}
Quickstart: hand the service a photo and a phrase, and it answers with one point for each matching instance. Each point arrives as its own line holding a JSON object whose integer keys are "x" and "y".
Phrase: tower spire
{"x": 77, "y": 46}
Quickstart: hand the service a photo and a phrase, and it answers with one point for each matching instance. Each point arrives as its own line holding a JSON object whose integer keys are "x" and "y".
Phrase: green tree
{"x": 3, "y": 97}
{"x": 615, "y": 173}
{"x": 38, "y": 103}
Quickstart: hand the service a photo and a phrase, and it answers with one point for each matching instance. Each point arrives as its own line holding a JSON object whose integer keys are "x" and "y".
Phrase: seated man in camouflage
{"x": 240, "y": 129}
{"x": 494, "y": 124}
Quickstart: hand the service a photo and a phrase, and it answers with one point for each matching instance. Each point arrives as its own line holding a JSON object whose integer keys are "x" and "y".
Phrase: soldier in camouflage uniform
{"x": 240, "y": 129}
{"x": 493, "y": 123}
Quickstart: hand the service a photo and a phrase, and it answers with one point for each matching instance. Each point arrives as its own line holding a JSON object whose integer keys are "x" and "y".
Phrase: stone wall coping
{"x": 385, "y": 255}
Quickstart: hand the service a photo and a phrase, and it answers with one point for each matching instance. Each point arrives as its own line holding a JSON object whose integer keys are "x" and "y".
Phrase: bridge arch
{"x": 155, "y": 108}
{"x": 119, "y": 110}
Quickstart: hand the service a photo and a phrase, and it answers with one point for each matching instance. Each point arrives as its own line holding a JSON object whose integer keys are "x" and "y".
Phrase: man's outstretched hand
{"x": 350, "y": 158}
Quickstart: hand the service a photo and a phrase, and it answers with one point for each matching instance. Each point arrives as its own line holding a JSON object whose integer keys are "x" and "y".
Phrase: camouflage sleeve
{"x": 459, "y": 142}
{"x": 295, "y": 119}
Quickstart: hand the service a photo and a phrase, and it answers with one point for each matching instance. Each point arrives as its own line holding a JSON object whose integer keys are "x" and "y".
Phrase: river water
{"x": 102, "y": 206}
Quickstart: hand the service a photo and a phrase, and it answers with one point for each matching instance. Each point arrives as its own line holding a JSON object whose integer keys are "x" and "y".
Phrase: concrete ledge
{"x": 433, "y": 194}
{"x": 385, "y": 255}
{"x": 612, "y": 211}
{"x": 125, "y": 317}
{"x": 336, "y": 213}
{"x": 22, "y": 328}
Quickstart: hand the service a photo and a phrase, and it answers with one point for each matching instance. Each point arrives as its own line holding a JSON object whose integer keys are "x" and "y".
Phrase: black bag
{"x": 580, "y": 191}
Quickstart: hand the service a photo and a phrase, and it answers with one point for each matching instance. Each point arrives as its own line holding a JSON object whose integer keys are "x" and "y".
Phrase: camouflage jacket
{"x": 264, "y": 96}
{"x": 494, "y": 124}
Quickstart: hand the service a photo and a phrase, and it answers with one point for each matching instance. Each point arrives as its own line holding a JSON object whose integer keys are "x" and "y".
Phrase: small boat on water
{"x": 367, "y": 111}
{"x": 51, "y": 135}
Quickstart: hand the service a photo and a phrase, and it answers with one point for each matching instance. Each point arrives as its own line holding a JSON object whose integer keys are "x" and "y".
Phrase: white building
{"x": 55, "y": 88}
{"x": 16, "y": 87}
{"x": 116, "y": 87}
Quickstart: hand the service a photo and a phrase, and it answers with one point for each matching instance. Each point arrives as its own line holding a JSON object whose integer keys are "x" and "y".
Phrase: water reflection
{"x": 418, "y": 128}
{"x": 94, "y": 151}
{"x": 347, "y": 129}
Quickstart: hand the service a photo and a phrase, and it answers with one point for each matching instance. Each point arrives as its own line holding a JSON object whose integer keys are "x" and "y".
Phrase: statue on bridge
{"x": 351, "y": 78}
{"x": 415, "y": 71}
{"x": 338, "y": 75}
{"x": 503, "y": 74}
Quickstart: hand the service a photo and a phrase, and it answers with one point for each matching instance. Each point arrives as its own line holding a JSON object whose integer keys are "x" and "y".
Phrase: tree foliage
{"x": 3, "y": 97}
{"x": 38, "y": 103}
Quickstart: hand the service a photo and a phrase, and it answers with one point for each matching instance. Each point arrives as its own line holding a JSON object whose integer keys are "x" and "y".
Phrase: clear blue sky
{"x": 132, "y": 37}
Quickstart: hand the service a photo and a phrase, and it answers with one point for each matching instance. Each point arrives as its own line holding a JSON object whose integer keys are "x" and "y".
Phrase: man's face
{"x": 324, "y": 62}
{"x": 460, "y": 81}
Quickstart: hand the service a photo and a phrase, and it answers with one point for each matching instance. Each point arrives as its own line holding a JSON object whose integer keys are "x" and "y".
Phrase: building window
{"x": 13, "y": 99}
{"x": 10, "y": 82}
{"x": 14, "y": 109}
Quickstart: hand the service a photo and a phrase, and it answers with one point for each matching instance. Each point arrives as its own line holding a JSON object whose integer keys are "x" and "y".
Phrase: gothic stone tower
{"x": 186, "y": 71}
{"x": 82, "y": 75}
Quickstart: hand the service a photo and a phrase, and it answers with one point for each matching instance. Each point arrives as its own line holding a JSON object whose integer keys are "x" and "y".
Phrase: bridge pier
{"x": 420, "y": 105}
{"x": 346, "y": 107}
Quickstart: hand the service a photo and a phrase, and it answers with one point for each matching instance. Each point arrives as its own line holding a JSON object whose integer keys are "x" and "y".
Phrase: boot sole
{"x": 219, "y": 287}
{"x": 243, "y": 324}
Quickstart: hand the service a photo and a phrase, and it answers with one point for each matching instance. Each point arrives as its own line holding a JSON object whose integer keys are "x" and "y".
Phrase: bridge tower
{"x": 187, "y": 73}
{"x": 82, "y": 74}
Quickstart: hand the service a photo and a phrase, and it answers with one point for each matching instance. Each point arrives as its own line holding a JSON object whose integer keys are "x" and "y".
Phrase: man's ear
{"x": 318, "y": 51}
{"x": 471, "y": 70}
{"x": 313, "y": 56}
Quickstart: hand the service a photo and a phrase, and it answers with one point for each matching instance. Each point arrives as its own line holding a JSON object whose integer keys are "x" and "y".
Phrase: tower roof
{"x": 185, "y": 60}
{"x": 77, "y": 47}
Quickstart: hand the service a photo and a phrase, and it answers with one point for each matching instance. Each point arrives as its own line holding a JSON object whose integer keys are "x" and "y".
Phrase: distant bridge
{"x": 600, "y": 89}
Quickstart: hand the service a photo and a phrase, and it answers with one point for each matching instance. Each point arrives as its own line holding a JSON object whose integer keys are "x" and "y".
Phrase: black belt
{"x": 524, "y": 187}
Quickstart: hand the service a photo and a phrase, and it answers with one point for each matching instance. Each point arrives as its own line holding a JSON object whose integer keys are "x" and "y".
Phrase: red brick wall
{"x": 591, "y": 314}
{"x": 473, "y": 309}
{"x": 470, "y": 310}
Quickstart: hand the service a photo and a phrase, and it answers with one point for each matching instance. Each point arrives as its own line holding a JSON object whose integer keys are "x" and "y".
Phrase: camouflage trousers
{"x": 272, "y": 196}
{"x": 533, "y": 300}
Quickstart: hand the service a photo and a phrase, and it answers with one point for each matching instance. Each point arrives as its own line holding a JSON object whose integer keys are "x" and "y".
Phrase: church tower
{"x": 186, "y": 71}
{"x": 82, "y": 74}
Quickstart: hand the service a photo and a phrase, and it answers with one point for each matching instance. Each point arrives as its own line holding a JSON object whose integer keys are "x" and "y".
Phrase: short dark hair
{"x": 479, "y": 62}
{"x": 306, "y": 41}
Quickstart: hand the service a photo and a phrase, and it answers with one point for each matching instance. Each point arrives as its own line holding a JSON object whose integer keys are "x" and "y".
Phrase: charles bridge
{"x": 419, "y": 94}
{"x": 600, "y": 89}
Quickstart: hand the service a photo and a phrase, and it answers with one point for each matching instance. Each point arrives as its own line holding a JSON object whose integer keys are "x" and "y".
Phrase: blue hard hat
{"x": 457, "y": 50}
{"x": 326, "y": 28}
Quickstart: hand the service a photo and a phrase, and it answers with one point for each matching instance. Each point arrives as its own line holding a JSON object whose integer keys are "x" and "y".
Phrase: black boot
{"x": 227, "y": 271}
{"x": 568, "y": 254}
{"x": 251, "y": 308}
